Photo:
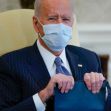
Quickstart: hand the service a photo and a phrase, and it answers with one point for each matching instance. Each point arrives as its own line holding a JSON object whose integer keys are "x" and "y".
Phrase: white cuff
{"x": 38, "y": 103}
{"x": 106, "y": 93}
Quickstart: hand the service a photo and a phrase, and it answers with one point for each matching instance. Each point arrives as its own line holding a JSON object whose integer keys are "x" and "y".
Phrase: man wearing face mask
{"x": 28, "y": 76}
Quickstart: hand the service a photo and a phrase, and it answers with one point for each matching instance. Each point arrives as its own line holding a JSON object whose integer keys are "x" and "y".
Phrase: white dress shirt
{"x": 49, "y": 59}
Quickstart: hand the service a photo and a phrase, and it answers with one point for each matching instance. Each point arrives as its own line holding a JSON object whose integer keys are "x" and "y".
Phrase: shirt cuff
{"x": 38, "y": 103}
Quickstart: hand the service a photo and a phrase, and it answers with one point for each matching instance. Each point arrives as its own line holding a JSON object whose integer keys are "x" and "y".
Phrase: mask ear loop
{"x": 39, "y": 22}
{"x": 39, "y": 35}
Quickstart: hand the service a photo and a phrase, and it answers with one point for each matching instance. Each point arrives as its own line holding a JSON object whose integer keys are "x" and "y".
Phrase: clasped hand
{"x": 65, "y": 83}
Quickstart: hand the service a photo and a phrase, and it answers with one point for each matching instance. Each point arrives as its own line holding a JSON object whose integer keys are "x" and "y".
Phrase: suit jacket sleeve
{"x": 11, "y": 92}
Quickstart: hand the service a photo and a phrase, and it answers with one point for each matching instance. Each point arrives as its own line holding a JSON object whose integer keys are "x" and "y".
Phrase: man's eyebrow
{"x": 53, "y": 15}
{"x": 56, "y": 15}
{"x": 65, "y": 16}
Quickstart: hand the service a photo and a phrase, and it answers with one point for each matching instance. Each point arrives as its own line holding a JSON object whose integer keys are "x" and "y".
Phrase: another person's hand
{"x": 94, "y": 81}
{"x": 65, "y": 83}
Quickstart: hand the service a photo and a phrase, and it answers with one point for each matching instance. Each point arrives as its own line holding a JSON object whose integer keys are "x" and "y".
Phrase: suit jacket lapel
{"x": 73, "y": 62}
{"x": 38, "y": 68}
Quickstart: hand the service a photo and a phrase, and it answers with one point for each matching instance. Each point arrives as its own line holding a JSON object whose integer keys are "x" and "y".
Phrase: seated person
{"x": 28, "y": 76}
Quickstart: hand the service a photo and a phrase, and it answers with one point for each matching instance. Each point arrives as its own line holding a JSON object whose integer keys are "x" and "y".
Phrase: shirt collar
{"x": 49, "y": 58}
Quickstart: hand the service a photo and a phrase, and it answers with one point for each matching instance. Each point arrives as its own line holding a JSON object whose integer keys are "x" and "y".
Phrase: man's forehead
{"x": 49, "y": 1}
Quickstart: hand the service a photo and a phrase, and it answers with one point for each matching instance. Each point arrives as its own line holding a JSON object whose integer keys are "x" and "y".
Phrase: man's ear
{"x": 35, "y": 24}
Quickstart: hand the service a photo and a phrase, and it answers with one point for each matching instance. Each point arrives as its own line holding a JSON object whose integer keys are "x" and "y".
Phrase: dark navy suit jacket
{"x": 23, "y": 73}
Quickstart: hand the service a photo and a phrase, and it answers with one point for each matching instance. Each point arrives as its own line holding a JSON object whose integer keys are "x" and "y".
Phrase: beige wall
{"x": 93, "y": 11}
{"x": 9, "y": 4}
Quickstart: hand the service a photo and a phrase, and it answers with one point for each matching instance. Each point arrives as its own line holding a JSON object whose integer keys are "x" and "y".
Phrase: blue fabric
{"x": 59, "y": 67}
{"x": 79, "y": 99}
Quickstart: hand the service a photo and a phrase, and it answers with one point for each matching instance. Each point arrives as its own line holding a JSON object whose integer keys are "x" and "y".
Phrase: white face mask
{"x": 56, "y": 36}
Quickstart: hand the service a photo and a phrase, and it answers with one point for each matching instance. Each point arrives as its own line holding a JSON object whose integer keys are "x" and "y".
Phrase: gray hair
{"x": 37, "y": 5}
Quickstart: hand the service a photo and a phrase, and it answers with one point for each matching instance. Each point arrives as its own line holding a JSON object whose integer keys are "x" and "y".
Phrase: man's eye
{"x": 51, "y": 18}
{"x": 65, "y": 19}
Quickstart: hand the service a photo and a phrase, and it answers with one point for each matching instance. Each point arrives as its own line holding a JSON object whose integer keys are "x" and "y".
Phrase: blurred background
{"x": 94, "y": 26}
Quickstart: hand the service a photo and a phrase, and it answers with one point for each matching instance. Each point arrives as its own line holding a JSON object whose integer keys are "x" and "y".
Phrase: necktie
{"x": 59, "y": 67}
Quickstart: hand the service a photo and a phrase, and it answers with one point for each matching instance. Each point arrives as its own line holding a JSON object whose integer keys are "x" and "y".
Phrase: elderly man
{"x": 28, "y": 76}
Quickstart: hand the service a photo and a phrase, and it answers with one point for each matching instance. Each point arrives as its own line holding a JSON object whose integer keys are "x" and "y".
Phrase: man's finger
{"x": 64, "y": 84}
{"x": 87, "y": 80}
{"x": 97, "y": 82}
{"x": 101, "y": 79}
{"x": 72, "y": 84}
{"x": 60, "y": 84}
{"x": 68, "y": 87}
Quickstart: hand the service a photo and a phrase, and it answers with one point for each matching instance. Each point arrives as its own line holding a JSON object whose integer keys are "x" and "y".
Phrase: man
{"x": 28, "y": 76}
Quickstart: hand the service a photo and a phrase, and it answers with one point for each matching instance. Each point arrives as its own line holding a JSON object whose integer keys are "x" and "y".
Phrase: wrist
{"x": 43, "y": 94}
